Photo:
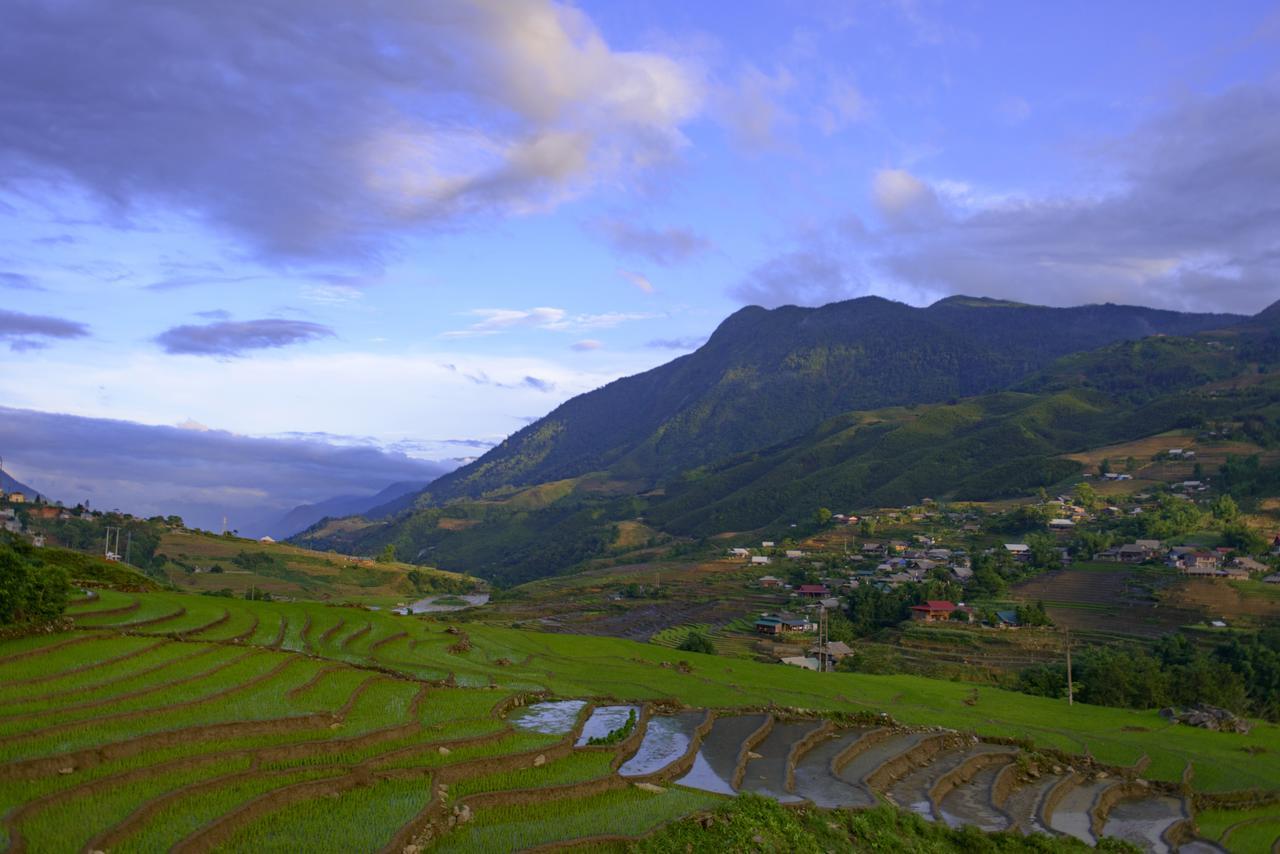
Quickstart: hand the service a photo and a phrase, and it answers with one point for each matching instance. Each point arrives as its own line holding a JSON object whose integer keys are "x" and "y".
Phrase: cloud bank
{"x": 199, "y": 474}
{"x": 233, "y": 338}
{"x": 308, "y": 137}
{"x": 33, "y": 331}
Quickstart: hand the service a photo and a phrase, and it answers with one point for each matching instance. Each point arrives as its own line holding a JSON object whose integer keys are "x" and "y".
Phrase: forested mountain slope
{"x": 766, "y": 377}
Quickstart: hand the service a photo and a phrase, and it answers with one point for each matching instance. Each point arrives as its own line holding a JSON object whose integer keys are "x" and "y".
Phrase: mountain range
{"x": 856, "y": 404}
{"x": 766, "y": 376}
{"x": 389, "y": 501}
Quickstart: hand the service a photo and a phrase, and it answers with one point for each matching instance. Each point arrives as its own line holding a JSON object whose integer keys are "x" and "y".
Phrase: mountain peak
{"x": 964, "y": 301}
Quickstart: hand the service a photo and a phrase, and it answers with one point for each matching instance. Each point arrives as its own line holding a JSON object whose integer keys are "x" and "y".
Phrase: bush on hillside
{"x": 696, "y": 641}
{"x": 30, "y": 591}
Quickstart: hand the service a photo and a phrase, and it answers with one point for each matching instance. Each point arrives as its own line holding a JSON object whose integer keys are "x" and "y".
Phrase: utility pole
{"x": 1070, "y": 685}
{"x": 824, "y": 655}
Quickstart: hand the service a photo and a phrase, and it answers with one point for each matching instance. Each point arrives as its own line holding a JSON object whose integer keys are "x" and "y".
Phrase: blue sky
{"x": 415, "y": 226}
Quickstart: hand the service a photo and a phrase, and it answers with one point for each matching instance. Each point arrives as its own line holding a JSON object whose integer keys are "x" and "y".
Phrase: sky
{"x": 403, "y": 230}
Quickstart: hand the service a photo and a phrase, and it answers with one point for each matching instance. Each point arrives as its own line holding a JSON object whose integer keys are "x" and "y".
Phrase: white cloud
{"x": 640, "y": 281}
{"x": 902, "y": 198}
{"x": 753, "y": 109}
{"x": 587, "y": 344}
{"x": 844, "y": 105}
{"x": 496, "y": 320}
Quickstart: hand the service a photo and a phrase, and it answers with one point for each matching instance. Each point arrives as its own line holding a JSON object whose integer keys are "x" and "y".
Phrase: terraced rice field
{"x": 189, "y": 723}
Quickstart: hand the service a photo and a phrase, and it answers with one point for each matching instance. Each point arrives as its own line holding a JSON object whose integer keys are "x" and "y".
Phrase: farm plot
{"x": 1108, "y": 599}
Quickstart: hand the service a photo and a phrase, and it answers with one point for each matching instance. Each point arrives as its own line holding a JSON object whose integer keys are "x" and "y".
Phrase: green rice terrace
{"x": 178, "y": 722}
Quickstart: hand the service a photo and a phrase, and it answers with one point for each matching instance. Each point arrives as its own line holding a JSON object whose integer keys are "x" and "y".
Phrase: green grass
{"x": 1242, "y": 831}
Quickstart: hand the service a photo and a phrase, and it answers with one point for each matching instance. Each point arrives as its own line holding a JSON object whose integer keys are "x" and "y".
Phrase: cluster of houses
{"x": 1192, "y": 561}
{"x": 13, "y": 497}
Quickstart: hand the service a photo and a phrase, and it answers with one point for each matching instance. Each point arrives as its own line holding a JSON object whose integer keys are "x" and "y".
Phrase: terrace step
{"x": 870, "y": 760}
{"x": 1024, "y": 802}
{"x": 717, "y": 760}
{"x": 768, "y": 774}
{"x": 815, "y": 781}
{"x": 972, "y": 803}
{"x": 1145, "y": 821}
{"x": 911, "y": 791}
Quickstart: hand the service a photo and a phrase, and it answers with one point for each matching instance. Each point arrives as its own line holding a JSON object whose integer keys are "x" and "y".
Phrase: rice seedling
{"x": 574, "y": 768}
{"x": 69, "y": 824}
{"x": 183, "y": 816}
{"x": 628, "y": 812}
{"x": 360, "y": 819}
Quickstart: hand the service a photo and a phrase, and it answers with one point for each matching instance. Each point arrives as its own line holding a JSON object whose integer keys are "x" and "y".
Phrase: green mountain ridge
{"x": 766, "y": 376}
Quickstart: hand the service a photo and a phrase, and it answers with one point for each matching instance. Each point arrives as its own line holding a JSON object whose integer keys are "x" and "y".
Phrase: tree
{"x": 1104, "y": 467}
{"x": 696, "y": 641}
{"x": 822, "y": 516}
{"x": 1225, "y": 509}
{"x": 30, "y": 592}
{"x": 867, "y": 527}
{"x": 388, "y": 554}
{"x": 1087, "y": 497}
{"x": 1044, "y": 551}
{"x": 1238, "y": 535}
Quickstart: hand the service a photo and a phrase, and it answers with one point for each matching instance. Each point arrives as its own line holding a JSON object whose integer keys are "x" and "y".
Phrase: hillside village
{"x": 928, "y": 554}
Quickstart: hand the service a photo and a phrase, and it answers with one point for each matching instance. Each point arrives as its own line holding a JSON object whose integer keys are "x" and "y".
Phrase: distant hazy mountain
{"x": 10, "y": 484}
{"x": 766, "y": 377}
{"x": 396, "y": 497}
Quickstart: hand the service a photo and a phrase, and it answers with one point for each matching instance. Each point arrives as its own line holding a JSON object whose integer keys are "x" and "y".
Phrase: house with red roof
{"x": 933, "y": 611}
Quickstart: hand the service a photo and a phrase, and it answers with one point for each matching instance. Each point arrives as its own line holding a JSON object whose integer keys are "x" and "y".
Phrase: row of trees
{"x": 1242, "y": 675}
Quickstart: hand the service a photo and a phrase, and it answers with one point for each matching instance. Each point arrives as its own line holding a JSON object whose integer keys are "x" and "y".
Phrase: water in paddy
{"x": 768, "y": 774}
{"x": 604, "y": 720}
{"x": 911, "y": 792}
{"x": 971, "y": 803}
{"x": 718, "y": 757}
{"x": 1144, "y": 822}
{"x": 878, "y": 754}
{"x": 430, "y": 605}
{"x": 666, "y": 739}
{"x": 814, "y": 781}
{"x": 552, "y": 718}
{"x": 1072, "y": 813}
